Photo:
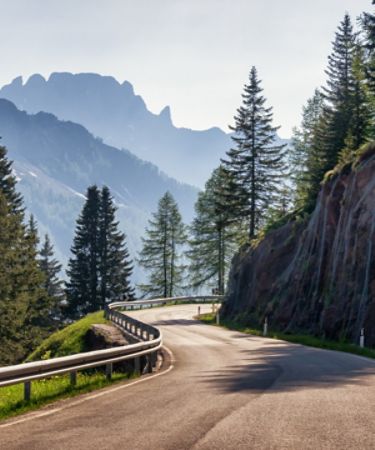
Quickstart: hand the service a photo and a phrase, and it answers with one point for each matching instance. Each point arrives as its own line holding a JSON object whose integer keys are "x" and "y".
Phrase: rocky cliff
{"x": 318, "y": 275}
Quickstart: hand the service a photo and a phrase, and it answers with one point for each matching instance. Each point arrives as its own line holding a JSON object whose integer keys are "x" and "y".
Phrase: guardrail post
{"x": 27, "y": 391}
{"x": 108, "y": 370}
{"x": 73, "y": 378}
{"x": 150, "y": 363}
{"x": 137, "y": 365}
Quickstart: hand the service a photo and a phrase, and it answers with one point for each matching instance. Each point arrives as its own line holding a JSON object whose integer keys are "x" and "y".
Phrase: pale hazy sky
{"x": 193, "y": 55}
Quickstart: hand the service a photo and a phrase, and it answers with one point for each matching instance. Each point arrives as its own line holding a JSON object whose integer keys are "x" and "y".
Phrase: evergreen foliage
{"x": 338, "y": 93}
{"x": 213, "y": 235}
{"x": 82, "y": 289}
{"x": 160, "y": 254}
{"x": 99, "y": 269}
{"x": 52, "y": 284}
{"x": 23, "y": 300}
{"x": 256, "y": 165}
{"x": 306, "y": 156}
{"x": 115, "y": 268}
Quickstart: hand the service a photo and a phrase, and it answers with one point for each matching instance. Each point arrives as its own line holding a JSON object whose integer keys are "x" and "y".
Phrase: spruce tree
{"x": 213, "y": 235}
{"x": 8, "y": 184}
{"x": 115, "y": 266}
{"x": 307, "y": 159}
{"x": 368, "y": 29}
{"x": 336, "y": 117}
{"x": 22, "y": 298}
{"x": 160, "y": 253}
{"x": 256, "y": 165}
{"x": 359, "y": 131}
{"x": 82, "y": 289}
{"x": 52, "y": 284}
{"x": 37, "y": 322}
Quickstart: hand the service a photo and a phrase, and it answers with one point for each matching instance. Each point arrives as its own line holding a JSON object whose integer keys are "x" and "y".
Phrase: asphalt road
{"x": 221, "y": 390}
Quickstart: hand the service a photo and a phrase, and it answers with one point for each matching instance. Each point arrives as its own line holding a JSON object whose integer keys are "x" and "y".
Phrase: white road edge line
{"x": 93, "y": 396}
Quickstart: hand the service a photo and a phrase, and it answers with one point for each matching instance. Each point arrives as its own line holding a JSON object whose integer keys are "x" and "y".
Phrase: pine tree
{"x": 368, "y": 28}
{"x": 37, "y": 324}
{"x": 368, "y": 31}
{"x": 52, "y": 284}
{"x": 336, "y": 117}
{"x": 82, "y": 289}
{"x": 214, "y": 237}
{"x": 115, "y": 265}
{"x": 22, "y": 297}
{"x": 160, "y": 253}
{"x": 99, "y": 270}
{"x": 13, "y": 299}
{"x": 360, "y": 108}
{"x": 256, "y": 165}
{"x": 8, "y": 184}
{"x": 307, "y": 160}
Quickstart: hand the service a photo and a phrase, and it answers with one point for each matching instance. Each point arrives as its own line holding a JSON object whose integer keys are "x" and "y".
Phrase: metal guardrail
{"x": 149, "y": 337}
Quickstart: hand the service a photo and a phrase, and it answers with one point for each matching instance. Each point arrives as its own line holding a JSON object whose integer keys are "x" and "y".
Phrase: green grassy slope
{"x": 69, "y": 340}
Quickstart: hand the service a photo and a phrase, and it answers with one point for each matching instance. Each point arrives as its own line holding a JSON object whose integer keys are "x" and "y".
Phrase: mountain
{"x": 315, "y": 276}
{"x": 120, "y": 117}
{"x": 55, "y": 161}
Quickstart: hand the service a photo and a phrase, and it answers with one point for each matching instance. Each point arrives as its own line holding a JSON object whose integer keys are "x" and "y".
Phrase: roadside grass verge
{"x": 303, "y": 339}
{"x": 49, "y": 390}
{"x": 68, "y": 341}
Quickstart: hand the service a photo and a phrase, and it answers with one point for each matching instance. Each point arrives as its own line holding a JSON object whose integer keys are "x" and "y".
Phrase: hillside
{"x": 55, "y": 161}
{"x": 315, "y": 276}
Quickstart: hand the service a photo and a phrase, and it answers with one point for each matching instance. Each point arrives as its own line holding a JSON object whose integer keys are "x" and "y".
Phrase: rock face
{"x": 101, "y": 336}
{"x": 316, "y": 276}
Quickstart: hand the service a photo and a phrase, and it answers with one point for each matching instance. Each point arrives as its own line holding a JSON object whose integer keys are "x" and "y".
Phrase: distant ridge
{"x": 113, "y": 111}
{"x": 56, "y": 160}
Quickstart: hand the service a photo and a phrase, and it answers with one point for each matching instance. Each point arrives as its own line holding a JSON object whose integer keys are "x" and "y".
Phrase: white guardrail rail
{"x": 149, "y": 342}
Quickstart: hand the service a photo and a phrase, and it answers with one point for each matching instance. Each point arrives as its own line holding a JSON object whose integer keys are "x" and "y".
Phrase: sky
{"x": 193, "y": 55}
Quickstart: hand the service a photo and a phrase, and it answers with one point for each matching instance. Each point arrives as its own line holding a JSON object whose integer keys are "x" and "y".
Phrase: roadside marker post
{"x": 265, "y": 327}
{"x": 217, "y": 317}
{"x": 199, "y": 311}
{"x": 362, "y": 338}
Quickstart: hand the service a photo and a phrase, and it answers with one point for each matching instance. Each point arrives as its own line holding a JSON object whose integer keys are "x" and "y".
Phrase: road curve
{"x": 225, "y": 390}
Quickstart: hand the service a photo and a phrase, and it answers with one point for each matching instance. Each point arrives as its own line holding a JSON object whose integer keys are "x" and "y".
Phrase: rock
{"x": 315, "y": 276}
{"x": 101, "y": 336}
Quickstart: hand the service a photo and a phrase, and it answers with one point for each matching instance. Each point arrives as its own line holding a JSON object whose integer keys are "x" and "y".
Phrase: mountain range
{"x": 112, "y": 111}
{"x": 55, "y": 161}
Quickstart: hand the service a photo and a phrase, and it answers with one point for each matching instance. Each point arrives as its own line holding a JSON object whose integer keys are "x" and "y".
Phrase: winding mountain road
{"x": 220, "y": 390}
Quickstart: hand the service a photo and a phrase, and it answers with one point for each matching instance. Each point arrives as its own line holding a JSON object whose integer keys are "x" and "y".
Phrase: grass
{"x": 310, "y": 341}
{"x": 47, "y": 391}
{"x": 68, "y": 341}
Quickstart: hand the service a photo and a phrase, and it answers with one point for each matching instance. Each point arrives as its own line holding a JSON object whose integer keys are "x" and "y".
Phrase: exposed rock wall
{"x": 317, "y": 276}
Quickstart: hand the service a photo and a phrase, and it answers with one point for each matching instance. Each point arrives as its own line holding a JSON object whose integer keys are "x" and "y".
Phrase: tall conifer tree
{"x": 256, "y": 165}
{"x": 213, "y": 235}
{"x": 336, "y": 118}
{"x": 52, "y": 284}
{"x": 160, "y": 253}
{"x": 82, "y": 289}
{"x": 115, "y": 266}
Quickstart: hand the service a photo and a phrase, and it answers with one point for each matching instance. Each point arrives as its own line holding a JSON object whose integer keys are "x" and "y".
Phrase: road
{"x": 221, "y": 390}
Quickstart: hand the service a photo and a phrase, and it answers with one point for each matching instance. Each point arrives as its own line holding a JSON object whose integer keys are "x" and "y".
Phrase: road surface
{"x": 221, "y": 390}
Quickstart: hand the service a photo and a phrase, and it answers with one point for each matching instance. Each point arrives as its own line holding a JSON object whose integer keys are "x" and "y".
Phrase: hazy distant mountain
{"x": 55, "y": 161}
{"x": 112, "y": 111}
